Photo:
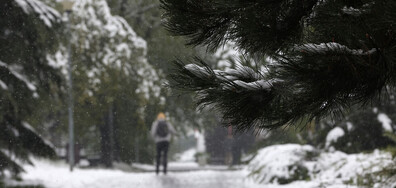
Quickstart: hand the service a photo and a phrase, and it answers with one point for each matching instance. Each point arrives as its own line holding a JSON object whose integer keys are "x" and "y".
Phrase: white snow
{"x": 112, "y": 44}
{"x": 340, "y": 167}
{"x": 58, "y": 61}
{"x": 47, "y": 14}
{"x": 256, "y": 85}
{"x": 200, "y": 138}
{"x": 187, "y": 156}
{"x": 199, "y": 71}
{"x": 26, "y": 125}
{"x": 323, "y": 48}
{"x": 385, "y": 121}
{"x": 328, "y": 169}
{"x": 351, "y": 11}
{"x": 349, "y": 126}
{"x": 274, "y": 161}
{"x": 357, "y": 12}
{"x": 233, "y": 77}
{"x": 3, "y": 85}
{"x": 16, "y": 70}
{"x": 333, "y": 135}
{"x": 57, "y": 175}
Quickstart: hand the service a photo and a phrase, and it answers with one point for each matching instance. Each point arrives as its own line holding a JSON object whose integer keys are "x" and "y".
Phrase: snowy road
{"x": 200, "y": 179}
{"x": 57, "y": 175}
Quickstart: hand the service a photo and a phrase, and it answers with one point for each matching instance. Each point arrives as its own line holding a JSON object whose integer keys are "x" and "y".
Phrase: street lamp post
{"x": 67, "y": 7}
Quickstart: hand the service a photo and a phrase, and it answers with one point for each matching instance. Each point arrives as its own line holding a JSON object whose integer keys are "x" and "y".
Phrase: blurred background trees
{"x": 120, "y": 56}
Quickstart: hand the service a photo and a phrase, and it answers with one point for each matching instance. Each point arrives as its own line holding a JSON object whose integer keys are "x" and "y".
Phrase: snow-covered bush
{"x": 292, "y": 162}
{"x": 281, "y": 163}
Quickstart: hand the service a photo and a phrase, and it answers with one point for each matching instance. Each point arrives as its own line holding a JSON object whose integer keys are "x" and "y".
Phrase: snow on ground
{"x": 274, "y": 162}
{"x": 270, "y": 165}
{"x": 293, "y": 163}
{"x": 172, "y": 166}
{"x": 184, "y": 167}
{"x": 187, "y": 156}
{"x": 57, "y": 175}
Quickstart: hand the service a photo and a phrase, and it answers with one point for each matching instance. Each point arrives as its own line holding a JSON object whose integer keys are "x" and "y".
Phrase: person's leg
{"x": 158, "y": 158}
{"x": 165, "y": 149}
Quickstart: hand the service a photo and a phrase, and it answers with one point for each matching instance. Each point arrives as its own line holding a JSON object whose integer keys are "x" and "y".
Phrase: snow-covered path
{"x": 199, "y": 179}
{"x": 57, "y": 175}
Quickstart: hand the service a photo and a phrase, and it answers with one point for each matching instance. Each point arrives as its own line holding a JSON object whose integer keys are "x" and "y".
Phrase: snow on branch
{"x": 351, "y": 11}
{"x": 3, "y": 85}
{"x": 198, "y": 70}
{"x": 47, "y": 14}
{"x": 324, "y": 48}
{"x": 15, "y": 70}
{"x": 28, "y": 127}
{"x": 355, "y": 11}
{"x": 256, "y": 85}
{"x": 121, "y": 48}
{"x": 385, "y": 121}
{"x": 233, "y": 78}
{"x": 334, "y": 135}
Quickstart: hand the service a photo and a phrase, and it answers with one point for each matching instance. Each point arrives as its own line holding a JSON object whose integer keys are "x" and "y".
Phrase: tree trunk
{"x": 107, "y": 138}
{"x": 136, "y": 149}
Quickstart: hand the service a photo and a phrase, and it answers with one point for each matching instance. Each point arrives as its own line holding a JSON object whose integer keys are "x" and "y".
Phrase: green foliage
{"x": 326, "y": 56}
{"x": 391, "y": 136}
{"x": 214, "y": 22}
{"x": 109, "y": 81}
{"x": 145, "y": 18}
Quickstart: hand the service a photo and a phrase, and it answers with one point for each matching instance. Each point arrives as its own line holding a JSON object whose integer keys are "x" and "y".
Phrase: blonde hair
{"x": 161, "y": 116}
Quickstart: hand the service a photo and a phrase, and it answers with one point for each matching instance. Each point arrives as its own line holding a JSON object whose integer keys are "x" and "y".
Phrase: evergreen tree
{"x": 26, "y": 37}
{"x": 320, "y": 57}
{"x": 113, "y": 82}
{"x": 145, "y": 17}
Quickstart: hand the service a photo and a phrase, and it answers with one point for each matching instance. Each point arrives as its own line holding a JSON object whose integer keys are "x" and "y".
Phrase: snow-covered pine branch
{"x": 47, "y": 14}
{"x": 324, "y": 48}
{"x": 17, "y": 71}
{"x": 234, "y": 79}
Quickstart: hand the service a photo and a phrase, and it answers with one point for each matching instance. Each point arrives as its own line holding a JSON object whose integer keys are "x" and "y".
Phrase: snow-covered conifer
{"x": 27, "y": 35}
{"x": 321, "y": 57}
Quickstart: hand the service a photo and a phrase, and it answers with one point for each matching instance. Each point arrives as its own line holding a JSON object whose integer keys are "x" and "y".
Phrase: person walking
{"x": 161, "y": 131}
